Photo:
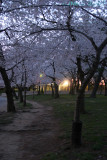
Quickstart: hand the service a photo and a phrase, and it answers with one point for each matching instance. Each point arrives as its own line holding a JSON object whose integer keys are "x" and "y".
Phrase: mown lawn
{"x": 94, "y": 131}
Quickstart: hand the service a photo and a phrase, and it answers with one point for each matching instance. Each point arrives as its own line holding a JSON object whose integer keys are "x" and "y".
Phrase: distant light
{"x": 66, "y": 83}
{"x": 41, "y": 75}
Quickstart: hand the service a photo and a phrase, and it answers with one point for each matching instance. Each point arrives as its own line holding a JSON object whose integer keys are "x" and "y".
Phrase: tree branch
{"x": 14, "y": 65}
{"x": 95, "y": 16}
{"x": 103, "y": 44}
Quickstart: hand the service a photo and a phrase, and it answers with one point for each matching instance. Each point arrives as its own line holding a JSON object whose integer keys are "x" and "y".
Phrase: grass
{"x": 40, "y": 98}
{"x": 21, "y": 107}
{"x": 94, "y": 131}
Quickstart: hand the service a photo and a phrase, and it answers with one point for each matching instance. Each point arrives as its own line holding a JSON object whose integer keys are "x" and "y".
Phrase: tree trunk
{"x": 82, "y": 103}
{"x": 95, "y": 88}
{"x": 72, "y": 88}
{"x": 80, "y": 106}
{"x": 25, "y": 81}
{"x": 42, "y": 91}
{"x": 105, "y": 87}
{"x": 39, "y": 90}
{"x": 77, "y": 125}
{"x": 20, "y": 94}
{"x": 14, "y": 94}
{"x": 76, "y": 133}
{"x": 24, "y": 100}
{"x": 77, "y": 85}
{"x": 10, "y": 101}
{"x": 98, "y": 79}
{"x": 33, "y": 91}
{"x": 52, "y": 90}
{"x": 56, "y": 90}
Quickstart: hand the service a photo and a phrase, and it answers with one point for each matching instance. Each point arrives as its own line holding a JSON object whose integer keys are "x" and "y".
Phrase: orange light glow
{"x": 66, "y": 83}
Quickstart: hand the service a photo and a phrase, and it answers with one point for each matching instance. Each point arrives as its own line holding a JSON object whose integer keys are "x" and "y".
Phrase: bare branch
{"x": 95, "y": 16}
{"x": 14, "y": 65}
{"x": 44, "y": 18}
{"x": 3, "y": 30}
{"x": 44, "y": 5}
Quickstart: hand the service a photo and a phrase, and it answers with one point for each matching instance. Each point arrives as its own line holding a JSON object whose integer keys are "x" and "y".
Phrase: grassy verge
{"x": 94, "y": 132}
{"x": 40, "y": 98}
{"x": 20, "y": 106}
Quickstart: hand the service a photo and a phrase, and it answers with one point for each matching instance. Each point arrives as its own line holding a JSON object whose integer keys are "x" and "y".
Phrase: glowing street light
{"x": 41, "y": 75}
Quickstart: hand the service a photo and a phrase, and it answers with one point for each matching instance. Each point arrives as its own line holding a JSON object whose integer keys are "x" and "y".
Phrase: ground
{"x": 3, "y": 103}
{"x": 32, "y": 134}
{"x": 44, "y": 130}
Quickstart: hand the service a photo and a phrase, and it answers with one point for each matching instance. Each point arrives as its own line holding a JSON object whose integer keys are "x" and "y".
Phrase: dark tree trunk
{"x": 105, "y": 87}
{"x": 77, "y": 86}
{"x": 95, "y": 88}
{"x": 79, "y": 103}
{"x": 39, "y": 90}
{"x": 56, "y": 90}
{"x": 25, "y": 82}
{"x": 14, "y": 94}
{"x": 82, "y": 103}
{"x": 20, "y": 90}
{"x": 76, "y": 138}
{"x": 78, "y": 126}
{"x": 42, "y": 92}
{"x": 76, "y": 133}
{"x": 10, "y": 101}
{"x": 72, "y": 88}
{"x": 52, "y": 90}
{"x": 33, "y": 91}
{"x": 101, "y": 89}
{"x": 24, "y": 98}
{"x": 97, "y": 81}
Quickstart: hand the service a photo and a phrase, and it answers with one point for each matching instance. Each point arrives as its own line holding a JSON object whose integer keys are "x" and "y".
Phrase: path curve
{"x": 32, "y": 134}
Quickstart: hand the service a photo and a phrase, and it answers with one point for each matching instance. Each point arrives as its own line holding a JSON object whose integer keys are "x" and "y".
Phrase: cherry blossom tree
{"x": 8, "y": 89}
{"x": 54, "y": 22}
{"x": 99, "y": 75}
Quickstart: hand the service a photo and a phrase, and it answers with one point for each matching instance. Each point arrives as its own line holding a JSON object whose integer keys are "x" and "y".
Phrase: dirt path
{"x": 32, "y": 134}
